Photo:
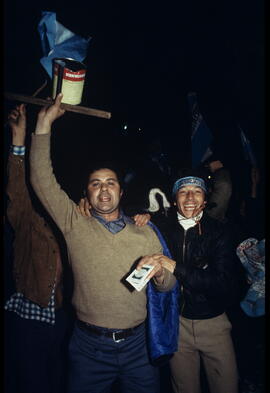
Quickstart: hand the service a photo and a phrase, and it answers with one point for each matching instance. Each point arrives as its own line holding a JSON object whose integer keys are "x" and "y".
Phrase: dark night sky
{"x": 142, "y": 61}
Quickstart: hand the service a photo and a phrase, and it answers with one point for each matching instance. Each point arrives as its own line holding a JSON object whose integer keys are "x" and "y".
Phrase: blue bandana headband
{"x": 189, "y": 181}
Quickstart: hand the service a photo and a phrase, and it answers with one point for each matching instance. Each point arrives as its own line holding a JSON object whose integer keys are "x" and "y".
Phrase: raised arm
{"x": 19, "y": 205}
{"x": 54, "y": 199}
{"x": 47, "y": 115}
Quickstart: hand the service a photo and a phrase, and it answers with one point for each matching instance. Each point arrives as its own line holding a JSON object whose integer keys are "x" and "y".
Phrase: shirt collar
{"x": 114, "y": 226}
{"x": 187, "y": 223}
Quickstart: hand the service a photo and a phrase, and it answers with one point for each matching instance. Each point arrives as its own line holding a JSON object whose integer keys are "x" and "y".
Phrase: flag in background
{"x": 201, "y": 136}
{"x": 57, "y": 41}
{"x": 249, "y": 155}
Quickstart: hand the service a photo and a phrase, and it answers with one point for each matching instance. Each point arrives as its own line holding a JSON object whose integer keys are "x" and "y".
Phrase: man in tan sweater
{"x": 108, "y": 342}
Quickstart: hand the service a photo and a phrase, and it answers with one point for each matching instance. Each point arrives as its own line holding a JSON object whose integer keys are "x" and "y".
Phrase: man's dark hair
{"x": 112, "y": 165}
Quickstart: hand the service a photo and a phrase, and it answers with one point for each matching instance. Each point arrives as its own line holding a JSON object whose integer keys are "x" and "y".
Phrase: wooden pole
{"x": 34, "y": 94}
{"x": 71, "y": 108}
{"x": 40, "y": 88}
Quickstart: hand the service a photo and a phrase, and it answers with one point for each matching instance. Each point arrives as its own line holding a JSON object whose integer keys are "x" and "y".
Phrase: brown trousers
{"x": 211, "y": 340}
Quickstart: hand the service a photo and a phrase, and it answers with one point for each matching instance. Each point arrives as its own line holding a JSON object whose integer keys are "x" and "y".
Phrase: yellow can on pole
{"x": 68, "y": 79}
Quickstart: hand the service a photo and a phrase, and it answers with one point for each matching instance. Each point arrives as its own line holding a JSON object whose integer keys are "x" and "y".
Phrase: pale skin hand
{"x": 47, "y": 115}
{"x": 159, "y": 261}
{"x": 215, "y": 165}
{"x": 17, "y": 123}
{"x": 141, "y": 219}
{"x": 167, "y": 262}
{"x": 84, "y": 208}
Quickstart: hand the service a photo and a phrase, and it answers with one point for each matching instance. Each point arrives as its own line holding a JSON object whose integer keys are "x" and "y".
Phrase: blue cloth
{"x": 114, "y": 226}
{"x": 189, "y": 181}
{"x": 162, "y": 316}
{"x": 251, "y": 253}
{"x": 249, "y": 155}
{"x": 201, "y": 136}
{"x": 97, "y": 361}
{"x": 58, "y": 41}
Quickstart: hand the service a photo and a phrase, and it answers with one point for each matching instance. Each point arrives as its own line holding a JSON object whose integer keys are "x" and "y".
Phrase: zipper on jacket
{"x": 183, "y": 304}
{"x": 182, "y": 288}
{"x": 184, "y": 245}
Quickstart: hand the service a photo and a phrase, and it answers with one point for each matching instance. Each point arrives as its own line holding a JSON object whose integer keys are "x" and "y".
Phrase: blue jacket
{"x": 163, "y": 317}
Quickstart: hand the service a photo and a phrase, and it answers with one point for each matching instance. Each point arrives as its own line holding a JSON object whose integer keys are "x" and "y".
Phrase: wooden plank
{"x": 71, "y": 108}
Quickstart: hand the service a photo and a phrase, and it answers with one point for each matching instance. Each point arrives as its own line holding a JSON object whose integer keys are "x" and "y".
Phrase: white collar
{"x": 187, "y": 223}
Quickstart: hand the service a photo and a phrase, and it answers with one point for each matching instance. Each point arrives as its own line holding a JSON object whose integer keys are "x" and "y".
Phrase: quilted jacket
{"x": 163, "y": 317}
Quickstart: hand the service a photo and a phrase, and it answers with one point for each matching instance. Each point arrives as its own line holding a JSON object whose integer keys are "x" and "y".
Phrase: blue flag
{"x": 249, "y": 155}
{"x": 201, "y": 136}
{"x": 57, "y": 41}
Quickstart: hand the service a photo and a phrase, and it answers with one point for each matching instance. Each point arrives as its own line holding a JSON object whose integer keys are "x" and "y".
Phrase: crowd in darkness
{"x": 236, "y": 202}
{"x": 142, "y": 64}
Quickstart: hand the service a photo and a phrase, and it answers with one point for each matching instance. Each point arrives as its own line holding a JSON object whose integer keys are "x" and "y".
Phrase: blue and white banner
{"x": 201, "y": 136}
{"x": 249, "y": 155}
{"x": 58, "y": 41}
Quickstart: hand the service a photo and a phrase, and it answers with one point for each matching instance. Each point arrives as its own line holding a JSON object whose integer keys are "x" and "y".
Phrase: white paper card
{"x": 138, "y": 278}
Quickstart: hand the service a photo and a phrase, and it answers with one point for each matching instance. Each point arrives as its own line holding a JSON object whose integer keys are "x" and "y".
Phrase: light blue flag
{"x": 57, "y": 41}
{"x": 247, "y": 148}
{"x": 201, "y": 136}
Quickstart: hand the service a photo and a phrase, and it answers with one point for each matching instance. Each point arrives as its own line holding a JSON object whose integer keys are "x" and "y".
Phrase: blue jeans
{"x": 97, "y": 361}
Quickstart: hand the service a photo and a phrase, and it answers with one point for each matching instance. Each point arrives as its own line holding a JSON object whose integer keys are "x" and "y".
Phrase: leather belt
{"x": 117, "y": 335}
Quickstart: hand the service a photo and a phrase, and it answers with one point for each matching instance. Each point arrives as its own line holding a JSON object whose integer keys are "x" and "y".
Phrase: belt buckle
{"x": 114, "y": 338}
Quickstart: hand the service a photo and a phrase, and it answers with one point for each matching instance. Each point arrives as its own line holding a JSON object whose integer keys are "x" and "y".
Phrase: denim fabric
{"x": 114, "y": 226}
{"x": 97, "y": 361}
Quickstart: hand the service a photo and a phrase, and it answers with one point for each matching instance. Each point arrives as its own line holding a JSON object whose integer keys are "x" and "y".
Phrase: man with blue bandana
{"x": 203, "y": 251}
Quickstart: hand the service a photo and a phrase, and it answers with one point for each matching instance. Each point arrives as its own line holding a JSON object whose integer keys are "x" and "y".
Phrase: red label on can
{"x": 77, "y": 76}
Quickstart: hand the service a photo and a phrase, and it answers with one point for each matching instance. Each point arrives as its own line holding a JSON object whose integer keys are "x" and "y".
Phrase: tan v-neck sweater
{"x": 99, "y": 258}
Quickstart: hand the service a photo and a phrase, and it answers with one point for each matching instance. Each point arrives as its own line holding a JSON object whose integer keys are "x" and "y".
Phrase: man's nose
{"x": 190, "y": 195}
{"x": 104, "y": 186}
